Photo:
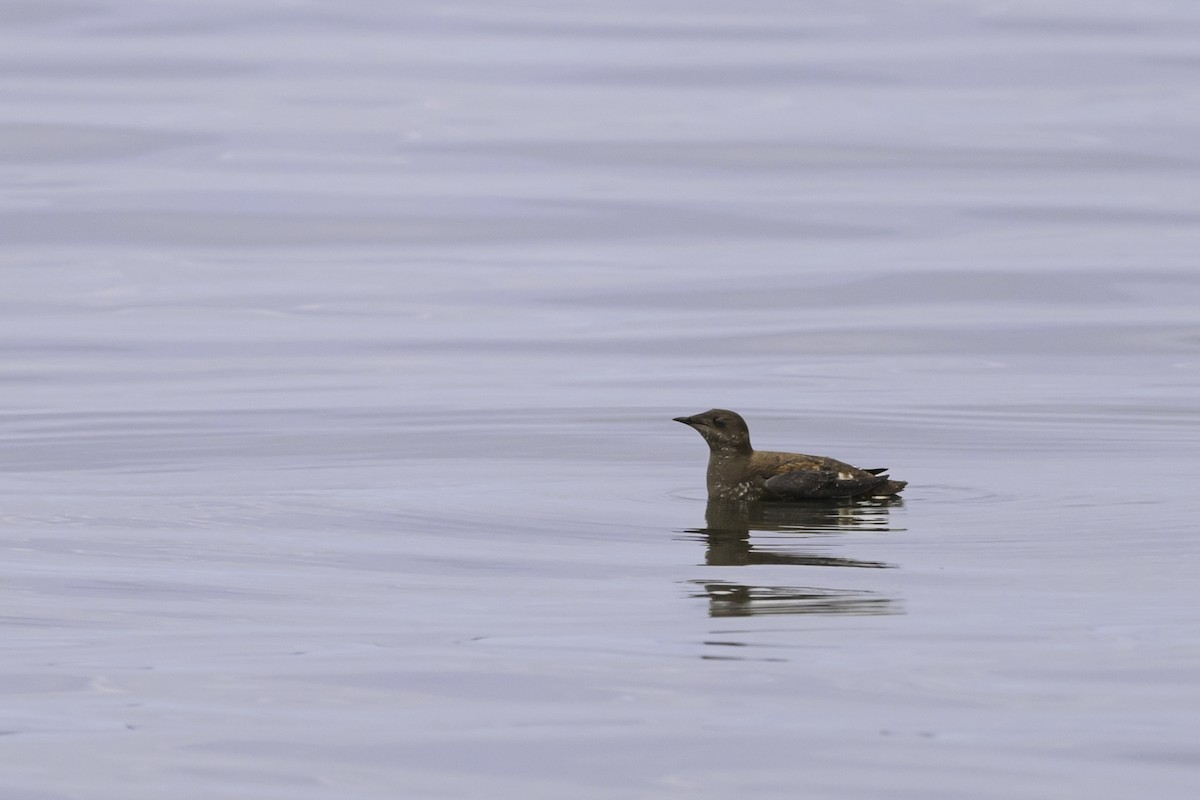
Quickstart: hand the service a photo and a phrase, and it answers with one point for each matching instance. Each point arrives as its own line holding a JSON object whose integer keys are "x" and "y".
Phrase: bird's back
{"x": 799, "y": 476}
{"x": 768, "y": 463}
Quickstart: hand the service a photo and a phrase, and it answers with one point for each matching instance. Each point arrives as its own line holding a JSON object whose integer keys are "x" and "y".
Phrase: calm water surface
{"x": 340, "y": 346}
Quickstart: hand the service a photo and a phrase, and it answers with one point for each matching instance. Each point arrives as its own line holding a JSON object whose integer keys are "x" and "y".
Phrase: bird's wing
{"x": 801, "y": 484}
{"x": 823, "y": 483}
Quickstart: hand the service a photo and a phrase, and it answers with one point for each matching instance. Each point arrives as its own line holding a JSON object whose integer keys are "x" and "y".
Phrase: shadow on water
{"x": 727, "y": 538}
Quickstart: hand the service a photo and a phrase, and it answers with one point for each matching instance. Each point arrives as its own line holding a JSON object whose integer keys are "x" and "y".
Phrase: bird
{"x": 738, "y": 472}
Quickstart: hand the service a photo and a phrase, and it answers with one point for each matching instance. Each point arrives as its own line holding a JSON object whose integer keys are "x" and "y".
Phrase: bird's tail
{"x": 887, "y": 486}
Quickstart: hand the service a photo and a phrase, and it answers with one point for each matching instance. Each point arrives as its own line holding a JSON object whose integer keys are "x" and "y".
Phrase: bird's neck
{"x": 726, "y": 466}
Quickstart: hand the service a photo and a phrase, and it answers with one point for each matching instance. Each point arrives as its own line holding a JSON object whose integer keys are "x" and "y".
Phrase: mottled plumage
{"x": 736, "y": 471}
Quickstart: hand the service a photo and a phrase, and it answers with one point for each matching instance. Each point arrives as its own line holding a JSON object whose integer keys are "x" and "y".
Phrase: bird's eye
{"x": 718, "y": 422}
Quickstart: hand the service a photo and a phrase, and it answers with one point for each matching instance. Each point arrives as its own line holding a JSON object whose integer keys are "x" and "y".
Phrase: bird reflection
{"x": 814, "y": 516}
{"x": 727, "y": 538}
{"x": 727, "y": 532}
{"x": 738, "y": 600}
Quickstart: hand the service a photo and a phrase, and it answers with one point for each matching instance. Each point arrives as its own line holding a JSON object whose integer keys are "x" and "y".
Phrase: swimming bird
{"x": 736, "y": 471}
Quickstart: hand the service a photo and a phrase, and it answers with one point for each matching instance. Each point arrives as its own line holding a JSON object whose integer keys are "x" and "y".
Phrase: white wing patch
{"x": 845, "y": 476}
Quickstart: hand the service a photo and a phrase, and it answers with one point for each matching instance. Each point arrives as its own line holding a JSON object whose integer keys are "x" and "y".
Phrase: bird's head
{"x": 723, "y": 430}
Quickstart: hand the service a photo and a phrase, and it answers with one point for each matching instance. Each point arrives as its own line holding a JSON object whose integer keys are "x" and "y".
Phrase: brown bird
{"x": 736, "y": 471}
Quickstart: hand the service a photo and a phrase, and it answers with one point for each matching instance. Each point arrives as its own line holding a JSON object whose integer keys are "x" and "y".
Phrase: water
{"x": 340, "y": 347}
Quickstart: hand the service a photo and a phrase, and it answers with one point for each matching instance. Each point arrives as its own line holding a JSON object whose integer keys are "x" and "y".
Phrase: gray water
{"x": 340, "y": 346}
